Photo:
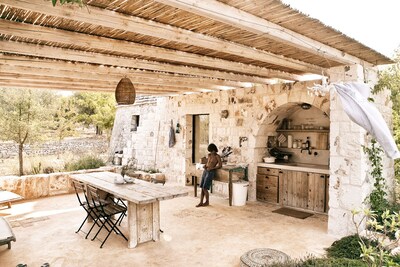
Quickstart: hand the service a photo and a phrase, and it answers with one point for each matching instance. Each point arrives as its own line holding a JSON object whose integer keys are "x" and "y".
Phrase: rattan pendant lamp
{"x": 125, "y": 92}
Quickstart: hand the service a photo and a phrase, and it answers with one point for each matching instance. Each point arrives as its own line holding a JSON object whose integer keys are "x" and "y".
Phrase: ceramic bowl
{"x": 269, "y": 159}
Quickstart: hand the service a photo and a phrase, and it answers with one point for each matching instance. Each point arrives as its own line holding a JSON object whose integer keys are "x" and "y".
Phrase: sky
{"x": 374, "y": 23}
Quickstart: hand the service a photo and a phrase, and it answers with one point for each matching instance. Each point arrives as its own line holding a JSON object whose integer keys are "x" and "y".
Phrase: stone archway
{"x": 280, "y": 106}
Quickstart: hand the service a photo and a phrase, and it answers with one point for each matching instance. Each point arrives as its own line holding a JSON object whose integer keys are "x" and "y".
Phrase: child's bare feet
{"x": 199, "y": 205}
{"x": 206, "y": 204}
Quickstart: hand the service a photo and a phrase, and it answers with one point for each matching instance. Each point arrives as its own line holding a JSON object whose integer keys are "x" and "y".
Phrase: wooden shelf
{"x": 304, "y": 131}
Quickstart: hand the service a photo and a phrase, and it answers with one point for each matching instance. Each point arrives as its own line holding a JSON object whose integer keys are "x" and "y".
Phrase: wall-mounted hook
{"x": 242, "y": 139}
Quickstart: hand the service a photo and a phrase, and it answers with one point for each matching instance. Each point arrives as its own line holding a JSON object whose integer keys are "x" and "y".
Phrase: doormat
{"x": 293, "y": 213}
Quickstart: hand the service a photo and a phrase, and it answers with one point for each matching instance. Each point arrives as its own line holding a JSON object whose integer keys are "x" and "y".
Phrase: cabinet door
{"x": 267, "y": 188}
{"x": 260, "y": 192}
{"x": 316, "y": 192}
{"x": 296, "y": 191}
{"x": 282, "y": 186}
{"x": 301, "y": 190}
{"x": 271, "y": 184}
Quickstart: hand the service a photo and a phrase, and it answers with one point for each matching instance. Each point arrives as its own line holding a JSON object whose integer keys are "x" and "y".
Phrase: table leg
{"x": 195, "y": 185}
{"x": 132, "y": 225}
{"x": 230, "y": 189}
{"x": 156, "y": 220}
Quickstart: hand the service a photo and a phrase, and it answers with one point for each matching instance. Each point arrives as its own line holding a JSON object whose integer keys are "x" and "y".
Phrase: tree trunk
{"x": 99, "y": 131}
{"x": 21, "y": 159}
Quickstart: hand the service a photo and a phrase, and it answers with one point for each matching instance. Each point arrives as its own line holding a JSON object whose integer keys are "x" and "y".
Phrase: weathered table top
{"x": 140, "y": 192}
{"x": 6, "y": 196}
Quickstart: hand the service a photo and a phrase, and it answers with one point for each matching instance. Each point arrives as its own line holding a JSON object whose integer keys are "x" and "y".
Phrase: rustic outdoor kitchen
{"x": 252, "y": 77}
{"x": 314, "y": 159}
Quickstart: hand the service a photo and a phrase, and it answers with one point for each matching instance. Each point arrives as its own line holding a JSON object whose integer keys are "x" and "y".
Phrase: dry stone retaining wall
{"x": 95, "y": 145}
{"x": 42, "y": 185}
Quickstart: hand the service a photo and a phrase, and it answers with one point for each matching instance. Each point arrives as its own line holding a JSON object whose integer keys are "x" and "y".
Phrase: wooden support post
{"x": 194, "y": 180}
{"x": 132, "y": 225}
{"x": 230, "y": 188}
{"x": 156, "y": 220}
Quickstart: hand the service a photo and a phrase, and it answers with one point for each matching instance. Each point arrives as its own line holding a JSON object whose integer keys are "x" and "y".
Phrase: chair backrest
{"x": 79, "y": 187}
{"x": 93, "y": 196}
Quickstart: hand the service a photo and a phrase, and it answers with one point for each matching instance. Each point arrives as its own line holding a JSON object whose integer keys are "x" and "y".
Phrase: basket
{"x": 125, "y": 93}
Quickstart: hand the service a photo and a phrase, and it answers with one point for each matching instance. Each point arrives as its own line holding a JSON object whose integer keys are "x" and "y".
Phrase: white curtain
{"x": 354, "y": 97}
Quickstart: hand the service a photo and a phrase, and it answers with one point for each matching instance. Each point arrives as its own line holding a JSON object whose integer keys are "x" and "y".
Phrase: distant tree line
{"x": 30, "y": 116}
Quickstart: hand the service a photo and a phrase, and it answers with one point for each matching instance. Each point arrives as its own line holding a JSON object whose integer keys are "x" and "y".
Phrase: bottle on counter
{"x": 294, "y": 144}
{"x": 290, "y": 141}
{"x": 284, "y": 124}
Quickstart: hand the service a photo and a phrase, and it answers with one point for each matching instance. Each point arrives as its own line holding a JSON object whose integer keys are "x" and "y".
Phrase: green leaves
{"x": 379, "y": 230}
{"x": 377, "y": 198}
{"x": 96, "y": 109}
{"x": 62, "y": 2}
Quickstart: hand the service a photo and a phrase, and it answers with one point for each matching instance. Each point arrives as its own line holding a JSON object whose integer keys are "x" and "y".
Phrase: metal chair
{"x": 80, "y": 187}
{"x": 105, "y": 212}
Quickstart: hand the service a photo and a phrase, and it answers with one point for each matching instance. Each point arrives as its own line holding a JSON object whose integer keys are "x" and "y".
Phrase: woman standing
{"x": 213, "y": 162}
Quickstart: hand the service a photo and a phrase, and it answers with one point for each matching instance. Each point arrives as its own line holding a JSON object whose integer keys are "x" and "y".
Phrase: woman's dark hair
{"x": 212, "y": 148}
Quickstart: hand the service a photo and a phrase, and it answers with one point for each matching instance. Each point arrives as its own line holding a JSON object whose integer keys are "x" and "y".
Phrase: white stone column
{"x": 350, "y": 182}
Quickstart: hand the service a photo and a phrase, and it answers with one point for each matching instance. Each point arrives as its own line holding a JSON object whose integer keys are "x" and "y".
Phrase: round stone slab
{"x": 261, "y": 257}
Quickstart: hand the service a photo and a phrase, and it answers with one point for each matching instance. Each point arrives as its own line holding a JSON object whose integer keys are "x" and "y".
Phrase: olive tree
{"x": 24, "y": 117}
{"x": 96, "y": 109}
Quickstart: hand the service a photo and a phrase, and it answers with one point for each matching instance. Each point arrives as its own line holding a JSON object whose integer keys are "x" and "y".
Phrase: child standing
{"x": 213, "y": 163}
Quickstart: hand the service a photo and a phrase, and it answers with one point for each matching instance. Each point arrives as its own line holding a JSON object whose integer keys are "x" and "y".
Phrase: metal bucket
{"x": 117, "y": 159}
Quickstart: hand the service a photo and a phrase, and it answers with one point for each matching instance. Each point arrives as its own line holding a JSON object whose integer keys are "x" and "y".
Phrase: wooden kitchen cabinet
{"x": 316, "y": 192}
{"x": 305, "y": 190}
{"x": 267, "y": 188}
{"x": 297, "y": 189}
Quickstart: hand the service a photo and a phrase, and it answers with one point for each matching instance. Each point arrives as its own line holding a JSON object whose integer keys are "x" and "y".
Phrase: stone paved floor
{"x": 208, "y": 236}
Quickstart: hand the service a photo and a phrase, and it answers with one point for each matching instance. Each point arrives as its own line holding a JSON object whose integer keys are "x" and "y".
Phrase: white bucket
{"x": 239, "y": 193}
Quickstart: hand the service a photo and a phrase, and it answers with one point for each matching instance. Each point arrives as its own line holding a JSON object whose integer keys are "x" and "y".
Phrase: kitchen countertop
{"x": 303, "y": 167}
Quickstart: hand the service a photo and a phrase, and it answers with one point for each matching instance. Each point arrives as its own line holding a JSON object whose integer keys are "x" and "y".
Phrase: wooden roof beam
{"x": 111, "y": 78}
{"x": 19, "y": 60}
{"x": 254, "y": 74}
{"x": 41, "y": 76}
{"x": 72, "y": 55}
{"x": 115, "y": 20}
{"x": 146, "y": 90}
{"x": 232, "y": 16}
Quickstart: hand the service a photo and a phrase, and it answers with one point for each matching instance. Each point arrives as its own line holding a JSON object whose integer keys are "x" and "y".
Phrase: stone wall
{"x": 255, "y": 113}
{"x": 78, "y": 145}
{"x": 42, "y": 185}
{"x": 350, "y": 179}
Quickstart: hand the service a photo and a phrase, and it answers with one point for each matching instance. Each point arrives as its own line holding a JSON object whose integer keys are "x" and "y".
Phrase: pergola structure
{"x": 167, "y": 47}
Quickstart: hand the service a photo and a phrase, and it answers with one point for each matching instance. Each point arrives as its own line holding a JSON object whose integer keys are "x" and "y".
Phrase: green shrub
{"x": 347, "y": 247}
{"x": 333, "y": 262}
{"x": 396, "y": 259}
{"x": 310, "y": 261}
{"x": 84, "y": 163}
{"x": 48, "y": 170}
{"x": 36, "y": 169}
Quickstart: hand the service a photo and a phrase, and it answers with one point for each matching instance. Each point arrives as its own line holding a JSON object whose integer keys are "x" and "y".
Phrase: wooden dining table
{"x": 143, "y": 200}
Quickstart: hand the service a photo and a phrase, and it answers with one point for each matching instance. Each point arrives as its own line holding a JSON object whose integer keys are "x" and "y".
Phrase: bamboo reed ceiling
{"x": 177, "y": 46}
